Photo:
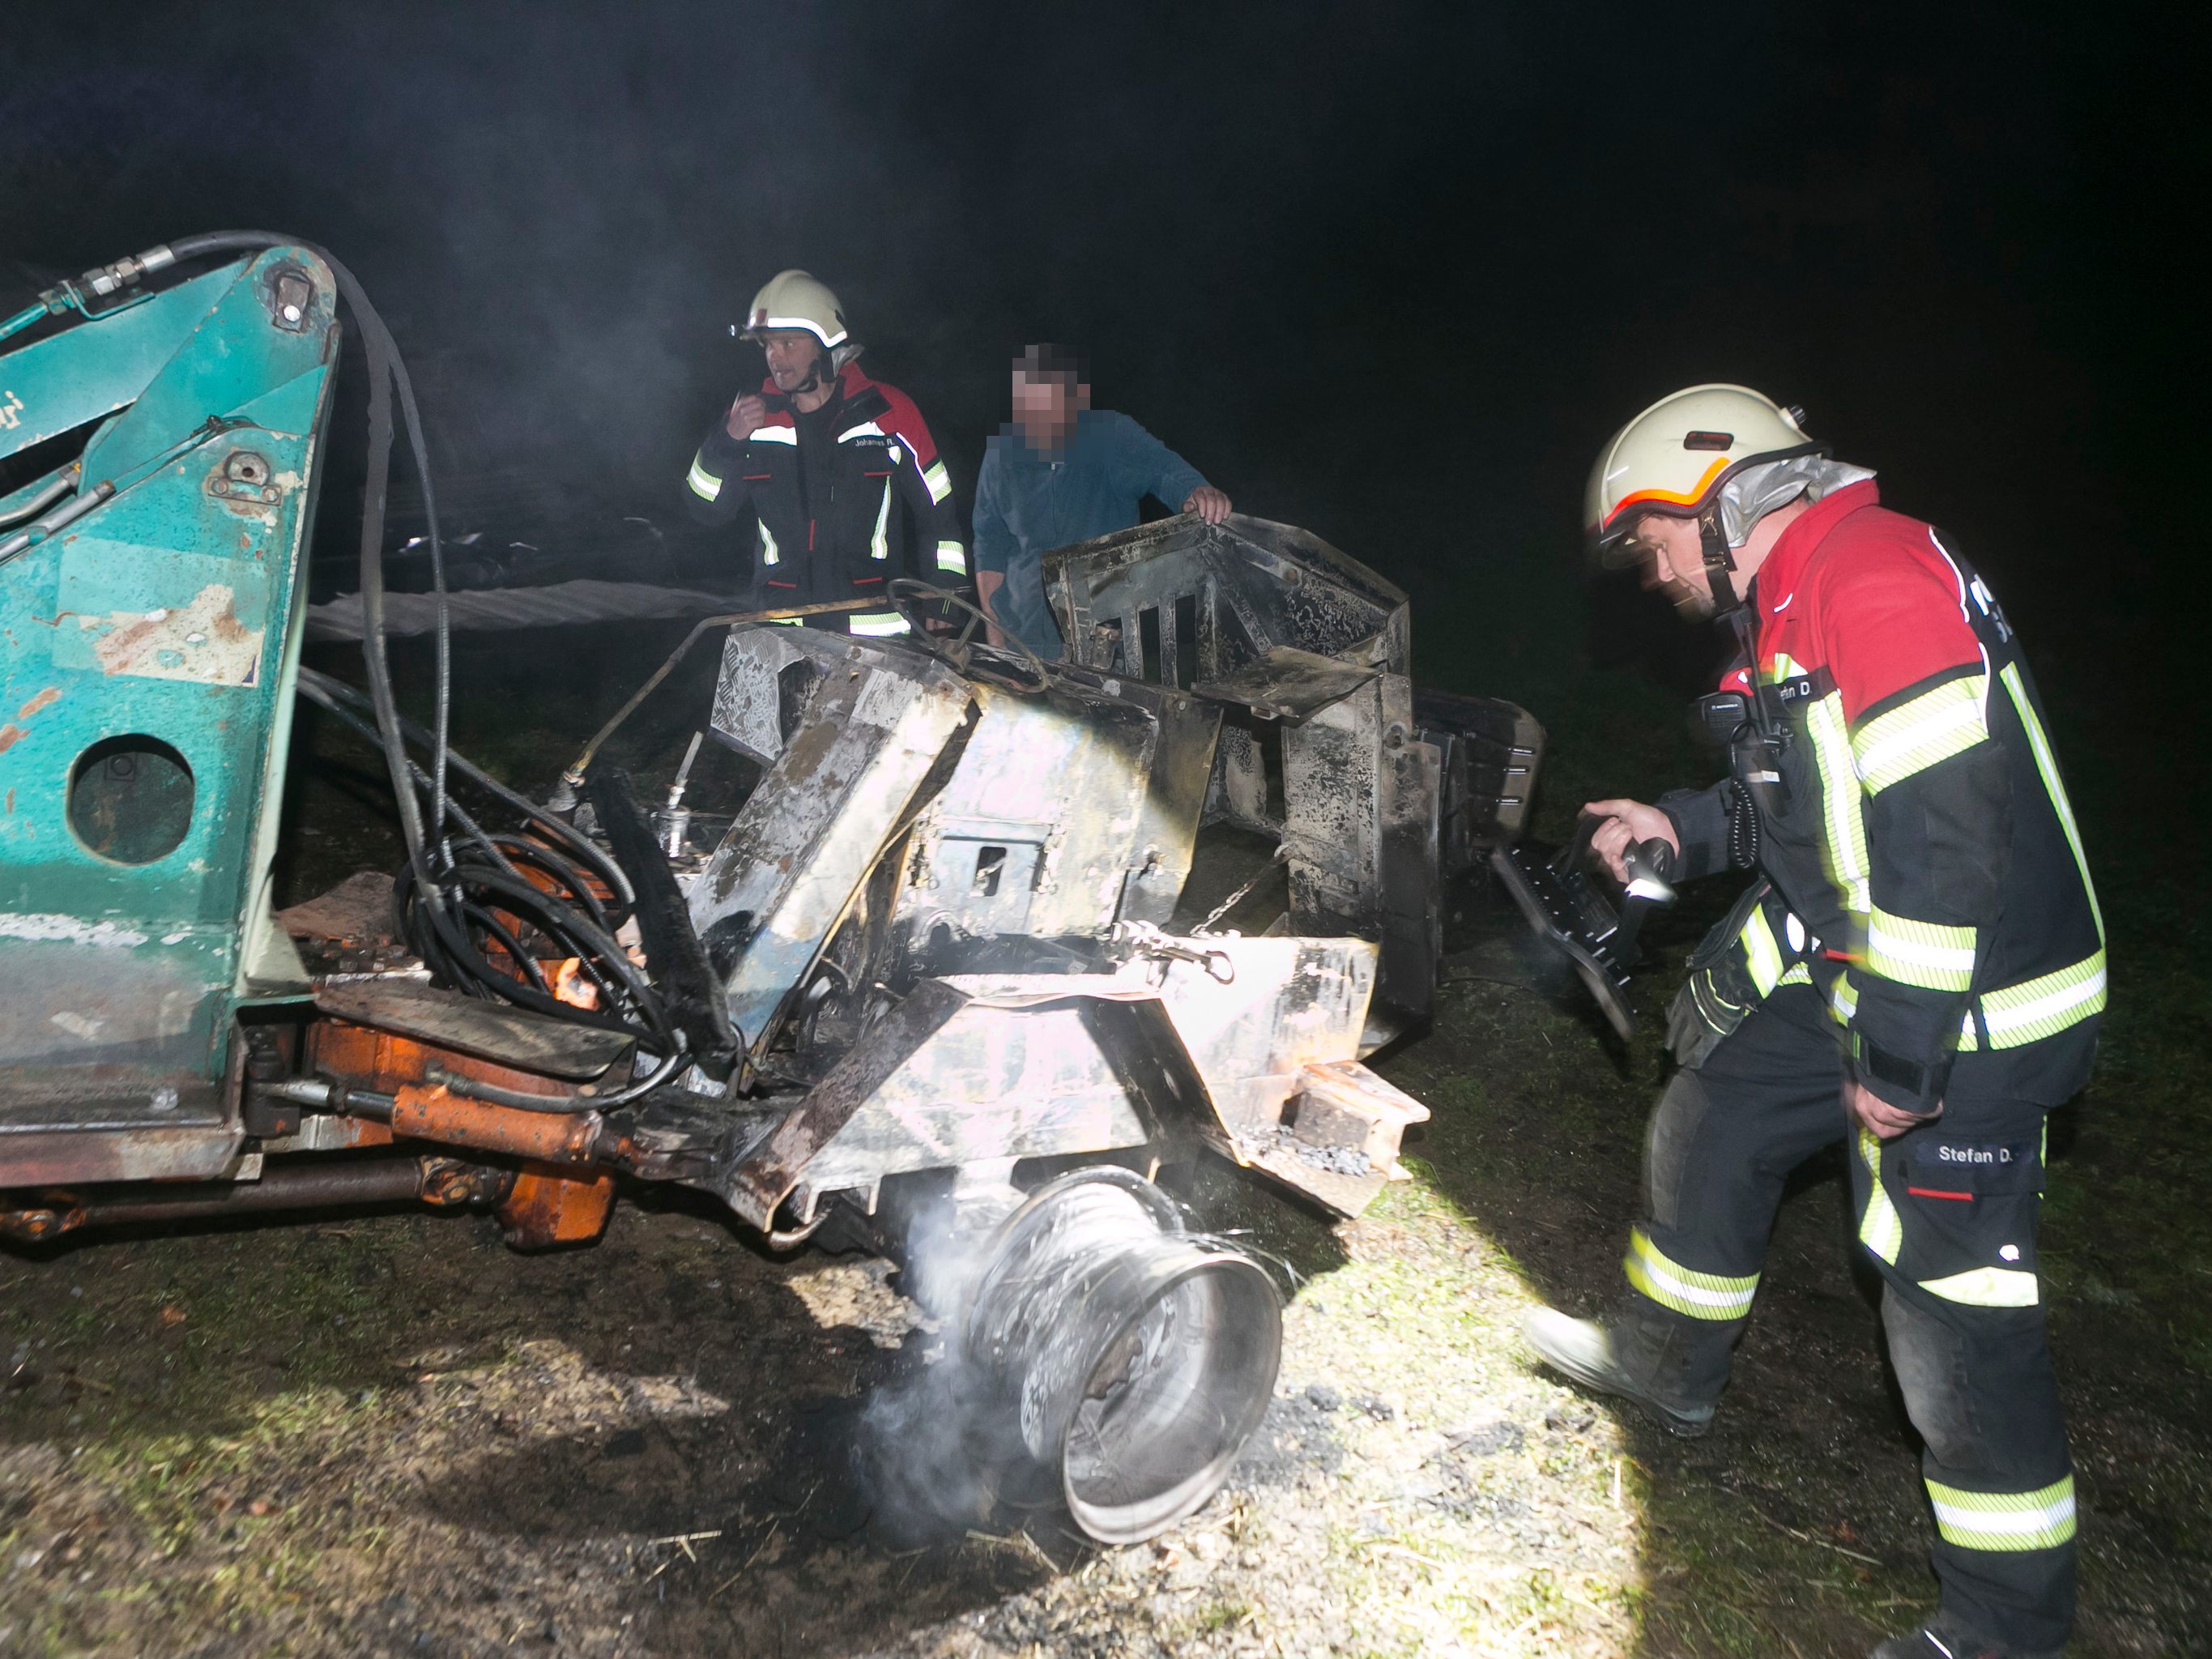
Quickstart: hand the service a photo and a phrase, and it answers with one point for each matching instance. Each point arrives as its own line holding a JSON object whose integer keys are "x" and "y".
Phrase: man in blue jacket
{"x": 1062, "y": 471}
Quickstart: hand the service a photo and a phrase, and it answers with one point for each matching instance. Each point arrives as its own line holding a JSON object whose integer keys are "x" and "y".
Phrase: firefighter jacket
{"x": 826, "y": 491}
{"x": 1921, "y": 863}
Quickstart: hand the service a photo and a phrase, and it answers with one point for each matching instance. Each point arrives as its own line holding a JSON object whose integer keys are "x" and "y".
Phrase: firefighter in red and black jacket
{"x": 831, "y": 466}
{"x": 1917, "y": 967}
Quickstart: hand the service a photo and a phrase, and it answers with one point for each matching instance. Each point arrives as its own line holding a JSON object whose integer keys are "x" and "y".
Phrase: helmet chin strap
{"x": 1728, "y": 606}
{"x": 1720, "y": 565}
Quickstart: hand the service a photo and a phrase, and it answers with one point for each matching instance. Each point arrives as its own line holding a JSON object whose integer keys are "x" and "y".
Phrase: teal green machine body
{"x": 145, "y": 704}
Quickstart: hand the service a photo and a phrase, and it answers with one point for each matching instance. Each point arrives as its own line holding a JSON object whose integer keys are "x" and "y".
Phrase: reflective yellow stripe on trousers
{"x": 1701, "y": 1296}
{"x": 2038, "y": 1520}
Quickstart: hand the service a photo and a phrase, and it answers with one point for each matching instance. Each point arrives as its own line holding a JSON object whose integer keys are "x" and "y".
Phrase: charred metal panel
{"x": 1247, "y": 788}
{"x": 1491, "y": 750}
{"x": 1071, "y": 808}
{"x": 1281, "y": 1004}
{"x": 841, "y": 790}
{"x": 1287, "y": 684}
{"x": 447, "y": 1019}
{"x": 755, "y": 1183}
{"x": 1378, "y": 796}
{"x": 980, "y": 1067}
{"x": 1126, "y": 602}
{"x": 768, "y": 676}
{"x": 1030, "y": 1080}
{"x": 1173, "y": 803}
{"x": 1361, "y": 803}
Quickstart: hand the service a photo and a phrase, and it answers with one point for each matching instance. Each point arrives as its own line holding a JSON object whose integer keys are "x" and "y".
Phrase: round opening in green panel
{"x": 131, "y": 798}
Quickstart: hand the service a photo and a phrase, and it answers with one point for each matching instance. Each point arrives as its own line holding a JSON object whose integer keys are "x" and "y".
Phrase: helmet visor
{"x": 1615, "y": 546}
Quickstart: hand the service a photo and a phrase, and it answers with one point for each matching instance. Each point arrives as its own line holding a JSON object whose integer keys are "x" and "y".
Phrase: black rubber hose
{"x": 387, "y": 371}
{"x": 452, "y": 958}
{"x": 492, "y": 1093}
{"x": 431, "y": 894}
{"x": 603, "y": 944}
{"x": 598, "y": 862}
{"x": 630, "y": 1004}
{"x": 317, "y": 694}
{"x": 572, "y": 937}
{"x": 507, "y": 942}
{"x": 523, "y": 851}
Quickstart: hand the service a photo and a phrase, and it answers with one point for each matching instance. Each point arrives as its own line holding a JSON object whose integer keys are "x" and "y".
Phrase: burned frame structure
{"x": 1377, "y": 791}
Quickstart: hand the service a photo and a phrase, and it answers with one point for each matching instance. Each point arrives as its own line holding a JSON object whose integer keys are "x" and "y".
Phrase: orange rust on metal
{"x": 551, "y": 1206}
{"x": 1342, "y": 1104}
{"x": 454, "y": 1120}
{"x": 384, "y": 1060}
{"x": 371, "y": 1059}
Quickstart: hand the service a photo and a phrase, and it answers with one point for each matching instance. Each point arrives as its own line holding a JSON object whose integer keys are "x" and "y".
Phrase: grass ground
{"x": 389, "y": 1435}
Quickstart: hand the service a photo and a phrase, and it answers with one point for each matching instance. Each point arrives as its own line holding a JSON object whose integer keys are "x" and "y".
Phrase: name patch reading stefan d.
{"x": 1972, "y": 1166}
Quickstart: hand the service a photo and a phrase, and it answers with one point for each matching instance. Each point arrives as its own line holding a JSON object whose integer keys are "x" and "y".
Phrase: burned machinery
{"x": 1379, "y": 793}
{"x": 935, "y": 963}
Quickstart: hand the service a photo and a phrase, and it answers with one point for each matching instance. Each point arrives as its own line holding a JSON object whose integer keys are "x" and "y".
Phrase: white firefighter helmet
{"x": 1676, "y": 456}
{"x": 792, "y": 298}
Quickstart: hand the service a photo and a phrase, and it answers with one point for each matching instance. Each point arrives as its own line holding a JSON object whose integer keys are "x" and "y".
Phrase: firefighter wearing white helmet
{"x": 792, "y": 301}
{"x": 1917, "y": 969}
{"x": 838, "y": 472}
{"x": 1712, "y": 456}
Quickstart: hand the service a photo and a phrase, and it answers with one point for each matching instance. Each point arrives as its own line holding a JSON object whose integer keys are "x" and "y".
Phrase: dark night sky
{"x": 1391, "y": 272}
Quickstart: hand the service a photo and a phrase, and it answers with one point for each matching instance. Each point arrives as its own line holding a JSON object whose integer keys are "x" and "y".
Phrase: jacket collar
{"x": 1777, "y": 578}
{"x": 1018, "y": 444}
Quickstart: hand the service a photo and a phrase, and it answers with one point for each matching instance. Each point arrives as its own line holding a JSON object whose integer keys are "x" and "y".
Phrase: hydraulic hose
{"x": 606, "y": 869}
{"x": 493, "y": 895}
{"x": 586, "y": 1099}
{"x": 386, "y": 372}
{"x": 459, "y": 879}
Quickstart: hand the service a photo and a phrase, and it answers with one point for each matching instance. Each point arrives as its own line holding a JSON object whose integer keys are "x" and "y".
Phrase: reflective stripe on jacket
{"x": 1922, "y": 834}
{"x": 825, "y": 492}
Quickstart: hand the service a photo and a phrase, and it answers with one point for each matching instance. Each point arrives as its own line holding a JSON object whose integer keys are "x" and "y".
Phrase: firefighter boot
{"x": 1946, "y": 1639}
{"x": 1638, "y": 1351}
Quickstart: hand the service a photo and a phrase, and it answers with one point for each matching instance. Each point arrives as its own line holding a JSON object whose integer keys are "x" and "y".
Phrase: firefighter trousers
{"x": 1947, "y": 1213}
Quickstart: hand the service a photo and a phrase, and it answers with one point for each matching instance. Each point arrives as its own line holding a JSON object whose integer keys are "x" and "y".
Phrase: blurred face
{"x": 1045, "y": 410}
{"x": 1673, "y": 555}
{"x": 790, "y": 354}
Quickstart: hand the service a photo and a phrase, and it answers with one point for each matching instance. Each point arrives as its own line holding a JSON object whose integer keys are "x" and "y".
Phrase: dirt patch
{"x": 392, "y": 1436}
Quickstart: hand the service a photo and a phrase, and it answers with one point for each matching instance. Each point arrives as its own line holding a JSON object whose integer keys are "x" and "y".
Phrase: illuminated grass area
{"x": 391, "y": 1435}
